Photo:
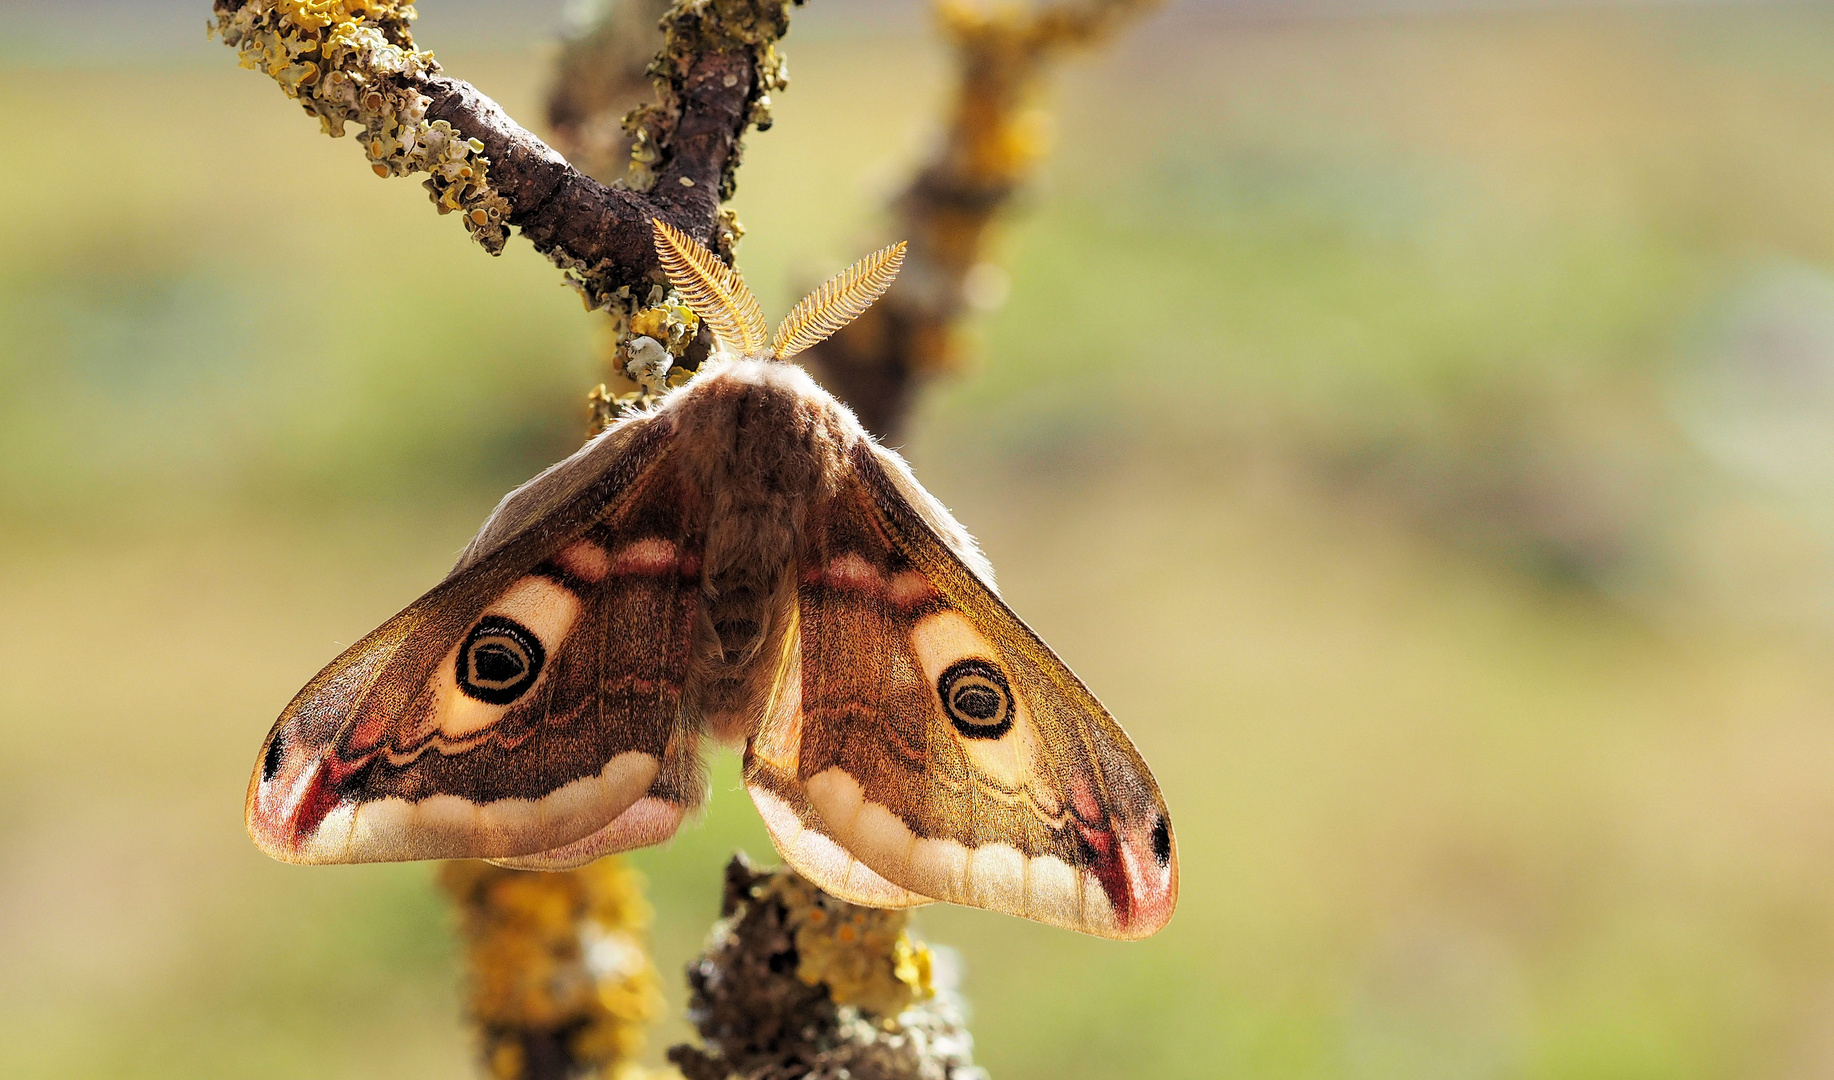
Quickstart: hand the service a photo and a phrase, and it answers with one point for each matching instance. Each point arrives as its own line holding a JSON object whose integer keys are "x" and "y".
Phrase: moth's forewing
{"x": 523, "y": 704}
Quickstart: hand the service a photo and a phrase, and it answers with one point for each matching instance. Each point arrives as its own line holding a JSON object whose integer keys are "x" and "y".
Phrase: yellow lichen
{"x": 353, "y": 62}
{"x": 674, "y": 325}
{"x": 556, "y": 959}
{"x": 865, "y": 956}
{"x": 630, "y": 343}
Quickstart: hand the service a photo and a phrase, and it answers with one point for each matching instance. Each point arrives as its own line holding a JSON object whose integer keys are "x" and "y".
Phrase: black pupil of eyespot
{"x": 980, "y": 702}
{"x": 270, "y": 764}
{"x": 497, "y": 662}
{"x": 1162, "y": 841}
{"x": 976, "y": 698}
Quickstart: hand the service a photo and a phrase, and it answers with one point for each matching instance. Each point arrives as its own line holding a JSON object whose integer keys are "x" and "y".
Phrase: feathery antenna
{"x": 718, "y": 295}
{"x": 837, "y": 302}
{"x": 713, "y": 290}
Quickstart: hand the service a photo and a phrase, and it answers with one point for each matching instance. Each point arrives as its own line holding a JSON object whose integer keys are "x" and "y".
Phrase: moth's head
{"x": 716, "y": 293}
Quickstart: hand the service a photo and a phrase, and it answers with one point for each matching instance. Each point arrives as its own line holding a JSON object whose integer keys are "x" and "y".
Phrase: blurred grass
{"x": 1311, "y": 322}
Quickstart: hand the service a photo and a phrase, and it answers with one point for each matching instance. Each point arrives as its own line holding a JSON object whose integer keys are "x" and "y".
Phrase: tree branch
{"x": 601, "y": 231}
{"x": 948, "y": 211}
{"x": 354, "y": 62}
{"x": 601, "y": 73}
{"x": 559, "y": 983}
{"x": 797, "y": 984}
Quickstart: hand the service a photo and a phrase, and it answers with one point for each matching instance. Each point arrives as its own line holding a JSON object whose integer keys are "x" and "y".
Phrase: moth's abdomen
{"x": 762, "y": 443}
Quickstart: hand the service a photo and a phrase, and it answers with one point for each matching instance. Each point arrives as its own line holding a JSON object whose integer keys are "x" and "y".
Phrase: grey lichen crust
{"x": 795, "y": 984}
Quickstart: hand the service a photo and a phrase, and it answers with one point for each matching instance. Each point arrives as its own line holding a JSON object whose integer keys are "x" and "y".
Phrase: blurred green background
{"x": 1417, "y": 427}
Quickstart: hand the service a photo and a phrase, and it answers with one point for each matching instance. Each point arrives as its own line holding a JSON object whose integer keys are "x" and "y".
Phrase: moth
{"x": 739, "y": 562}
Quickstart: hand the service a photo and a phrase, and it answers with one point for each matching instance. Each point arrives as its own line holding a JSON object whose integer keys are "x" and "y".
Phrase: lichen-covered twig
{"x": 560, "y": 984}
{"x": 948, "y": 210}
{"x": 353, "y": 62}
{"x": 795, "y": 983}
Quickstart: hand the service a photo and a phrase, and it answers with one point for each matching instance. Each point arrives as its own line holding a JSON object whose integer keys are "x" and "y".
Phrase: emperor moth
{"x": 740, "y": 561}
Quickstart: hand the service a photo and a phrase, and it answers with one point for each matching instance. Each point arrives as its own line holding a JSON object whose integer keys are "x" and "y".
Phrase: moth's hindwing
{"x": 679, "y": 789}
{"x": 773, "y": 779}
{"x": 943, "y": 745}
{"x": 525, "y": 704}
